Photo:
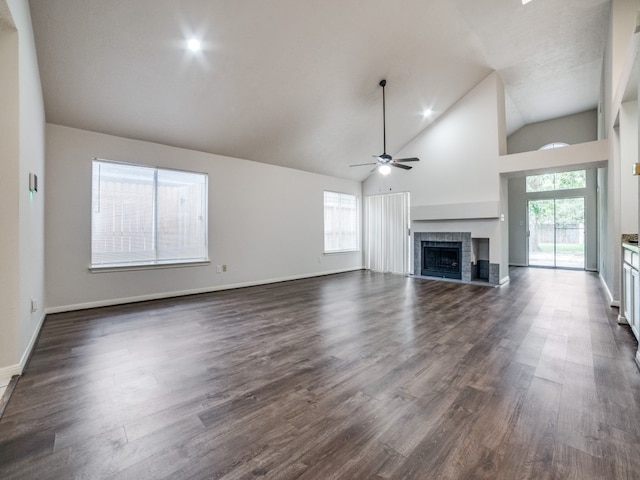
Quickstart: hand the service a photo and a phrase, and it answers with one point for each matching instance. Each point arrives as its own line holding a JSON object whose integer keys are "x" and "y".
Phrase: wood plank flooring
{"x": 353, "y": 376}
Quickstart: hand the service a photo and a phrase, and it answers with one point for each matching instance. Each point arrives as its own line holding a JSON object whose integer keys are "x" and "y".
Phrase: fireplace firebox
{"x": 442, "y": 259}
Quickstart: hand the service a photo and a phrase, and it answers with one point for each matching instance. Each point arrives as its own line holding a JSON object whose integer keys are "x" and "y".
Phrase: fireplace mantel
{"x": 456, "y": 211}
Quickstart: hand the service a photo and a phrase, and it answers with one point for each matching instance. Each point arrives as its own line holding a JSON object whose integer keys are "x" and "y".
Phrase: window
{"x": 557, "y": 181}
{"x": 147, "y": 216}
{"x": 340, "y": 222}
{"x": 553, "y": 145}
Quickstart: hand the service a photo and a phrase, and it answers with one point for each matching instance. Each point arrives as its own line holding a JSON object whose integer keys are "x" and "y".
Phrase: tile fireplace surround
{"x": 467, "y": 245}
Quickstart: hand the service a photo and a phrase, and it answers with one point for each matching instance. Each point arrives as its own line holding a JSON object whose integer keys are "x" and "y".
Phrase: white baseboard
{"x": 504, "y": 280}
{"x": 612, "y": 301}
{"x": 180, "y": 293}
{"x": 7, "y": 372}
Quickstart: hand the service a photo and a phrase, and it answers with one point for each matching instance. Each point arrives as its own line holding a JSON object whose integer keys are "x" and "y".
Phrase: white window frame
{"x": 341, "y": 247}
{"x": 555, "y": 189}
{"x": 153, "y": 256}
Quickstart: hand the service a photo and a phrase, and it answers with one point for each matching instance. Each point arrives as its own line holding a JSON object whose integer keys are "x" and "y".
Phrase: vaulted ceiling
{"x": 295, "y": 82}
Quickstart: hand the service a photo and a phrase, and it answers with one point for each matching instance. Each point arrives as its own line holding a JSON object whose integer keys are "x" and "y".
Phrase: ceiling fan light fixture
{"x": 384, "y": 169}
{"x": 194, "y": 44}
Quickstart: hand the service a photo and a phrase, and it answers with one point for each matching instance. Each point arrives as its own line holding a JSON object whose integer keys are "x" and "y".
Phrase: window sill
{"x": 341, "y": 252}
{"x": 147, "y": 266}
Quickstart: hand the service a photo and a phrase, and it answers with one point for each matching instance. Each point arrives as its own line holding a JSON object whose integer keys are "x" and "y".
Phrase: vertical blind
{"x": 386, "y": 229}
{"x": 340, "y": 222}
{"x": 146, "y": 215}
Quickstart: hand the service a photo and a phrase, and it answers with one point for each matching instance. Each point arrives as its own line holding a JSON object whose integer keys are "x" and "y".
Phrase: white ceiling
{"x": 295, "y": 82}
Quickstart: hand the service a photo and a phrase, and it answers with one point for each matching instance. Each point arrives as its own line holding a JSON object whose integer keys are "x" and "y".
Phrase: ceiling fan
{"x": 385, "y": 161}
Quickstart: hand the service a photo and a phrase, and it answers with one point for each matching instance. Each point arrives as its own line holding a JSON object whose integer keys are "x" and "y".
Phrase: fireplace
{"x": 460, "y": 241}
{"x": 444, "y": 249}
{"x": 442, "y": 259}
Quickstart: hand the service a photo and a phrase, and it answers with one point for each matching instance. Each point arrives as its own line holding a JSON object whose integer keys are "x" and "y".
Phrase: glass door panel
{"x": 570, "y": 232}
{"x": 542, "y": 233}
{"x": 556, "y": 232}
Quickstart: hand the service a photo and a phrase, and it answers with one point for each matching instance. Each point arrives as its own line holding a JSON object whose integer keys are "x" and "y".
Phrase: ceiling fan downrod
{"x": 383, "y": 83}
{"x": 386, "y": 160}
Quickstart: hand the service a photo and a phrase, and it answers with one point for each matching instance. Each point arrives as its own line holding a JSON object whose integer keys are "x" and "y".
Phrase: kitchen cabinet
{"x": 630, "y": 301}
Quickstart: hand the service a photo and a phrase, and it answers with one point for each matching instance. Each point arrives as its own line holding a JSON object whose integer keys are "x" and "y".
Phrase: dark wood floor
{"x": 352, "y": 376}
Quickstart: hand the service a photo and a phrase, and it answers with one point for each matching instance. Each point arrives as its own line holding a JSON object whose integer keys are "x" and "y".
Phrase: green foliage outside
{"x": 566, "y": 216}
{"x": 561, "y": 212}
{"x": 557, "y": 181}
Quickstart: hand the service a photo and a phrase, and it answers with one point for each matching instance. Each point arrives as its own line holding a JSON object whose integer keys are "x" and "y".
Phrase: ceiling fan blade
{"x": 413, "y": 159}
{"x": 399, "y": 165}
{"x": 363, "y": 164}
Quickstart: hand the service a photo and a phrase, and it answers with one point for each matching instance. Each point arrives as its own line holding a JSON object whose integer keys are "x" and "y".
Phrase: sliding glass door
{"x": 556, "y": 232}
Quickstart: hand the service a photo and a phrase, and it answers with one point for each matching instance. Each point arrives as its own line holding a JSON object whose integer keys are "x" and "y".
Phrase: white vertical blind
{"x": 146, "y": 215}
{"x": 340, "y": 222}
{"x": 386, "y": 229}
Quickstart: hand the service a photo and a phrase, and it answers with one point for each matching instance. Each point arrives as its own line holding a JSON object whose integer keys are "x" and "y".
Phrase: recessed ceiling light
{"x": 427, "y": 112}
{"x": 194, "y": 45}
{"x": 524, "y": 2}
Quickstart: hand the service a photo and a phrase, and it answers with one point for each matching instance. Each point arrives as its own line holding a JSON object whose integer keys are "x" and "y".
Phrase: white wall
{"x": 603, "y": 224}
{"x": 518, "y": 222}
{"x": 22, "y": 218}
{"x": 613, "y": 231}
{"x": 457, "y": 155}
{"x": 265, "y": 222}
{"x": 458, "y": 166}
{"x": 628, "y": 156}
{"x": 9, "y": 183}
{"x": 622, "y": 27}
{"x": 578, "y": 128}
{"x": 572, "y": 157}
{"x": 619, "y": 56}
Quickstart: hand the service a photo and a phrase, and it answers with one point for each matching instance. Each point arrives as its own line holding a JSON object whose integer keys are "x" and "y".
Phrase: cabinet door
{"x": 627, "y": 291}
{"x": 635, "y": 312}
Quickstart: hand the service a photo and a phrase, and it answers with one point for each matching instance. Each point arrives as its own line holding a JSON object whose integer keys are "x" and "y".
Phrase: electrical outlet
{"x": 218, "y": 268}
{"x": 224, "y": 268}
